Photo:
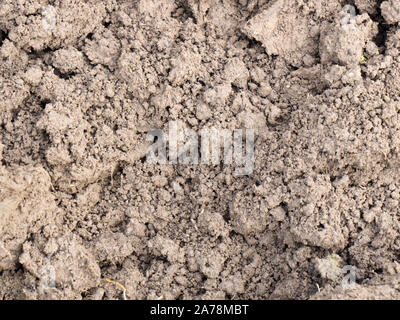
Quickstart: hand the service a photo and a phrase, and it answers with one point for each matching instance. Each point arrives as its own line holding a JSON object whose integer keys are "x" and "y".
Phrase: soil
{"x": 83, "y": 81}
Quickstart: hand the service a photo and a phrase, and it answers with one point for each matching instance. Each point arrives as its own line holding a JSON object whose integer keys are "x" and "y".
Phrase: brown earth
{"x": 319, "y": 83}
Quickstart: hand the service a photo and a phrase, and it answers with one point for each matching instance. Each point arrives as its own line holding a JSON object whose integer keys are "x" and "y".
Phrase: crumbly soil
{"x": 79, "y": 203}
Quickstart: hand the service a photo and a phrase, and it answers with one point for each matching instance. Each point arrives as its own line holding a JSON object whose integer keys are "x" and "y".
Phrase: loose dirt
{"x": 82, "y": 82}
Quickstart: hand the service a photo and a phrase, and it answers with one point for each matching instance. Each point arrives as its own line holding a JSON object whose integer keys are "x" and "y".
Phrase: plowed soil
{"x": 83, "y": 81}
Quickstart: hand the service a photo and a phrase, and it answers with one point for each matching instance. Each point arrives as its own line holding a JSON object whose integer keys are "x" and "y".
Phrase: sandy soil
{"x": 82, "y": 82}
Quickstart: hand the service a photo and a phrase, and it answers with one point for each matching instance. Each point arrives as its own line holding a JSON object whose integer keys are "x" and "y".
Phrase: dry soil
{"x": 82, "y": 82}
